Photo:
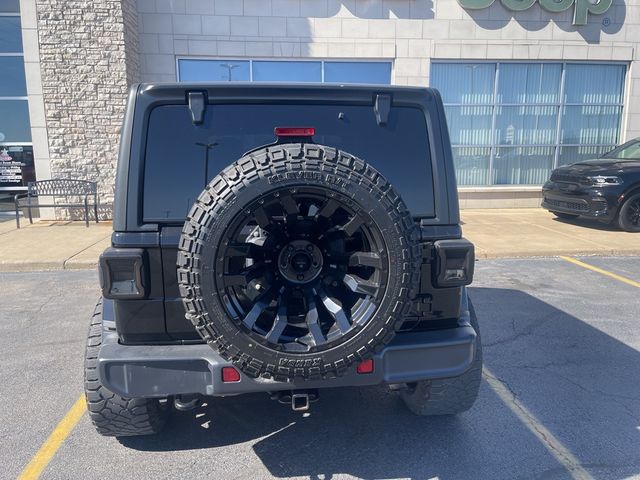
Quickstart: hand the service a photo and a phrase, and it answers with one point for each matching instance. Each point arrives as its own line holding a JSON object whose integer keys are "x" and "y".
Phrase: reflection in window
{"x": 18, "y": 129}
{"x": 470, "y": 125}
{"x": 465, "y": 83}
{"x": 10, "y": 35}
{"x": 590, "y": 124}
{"x": 472, "y": 165}
{"x": 569, "y": 155}
{"x": 522, "y": 165}
{"x": 203, "y": 70}
{"x": 9, "y": 6}
{"x": 528, "y": 126}
{"x": 191, "y": 70}
{"x": 593, "y": 84}
{"x": 13, "y": 82}
{"x": 529, "y": 83}
{"x": 264, "y": 71}
{"x": 357, "y": 72}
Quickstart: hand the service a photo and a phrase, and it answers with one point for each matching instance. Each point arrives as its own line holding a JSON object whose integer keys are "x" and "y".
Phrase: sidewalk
{"x": 52, "y": 245}
{"x": 534, "y": 232}
{"x": 527, "y": 232}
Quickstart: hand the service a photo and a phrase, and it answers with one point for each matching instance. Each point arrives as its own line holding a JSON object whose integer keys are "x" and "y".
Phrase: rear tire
{"x": 447, "y": 396}
{"x": 629, "y": 215}
{"x": 111, "y": 414}
{"x": 565, "y": 216}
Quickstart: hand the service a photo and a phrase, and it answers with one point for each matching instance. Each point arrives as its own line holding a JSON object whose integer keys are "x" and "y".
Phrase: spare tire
{"x": 297, "y": 261}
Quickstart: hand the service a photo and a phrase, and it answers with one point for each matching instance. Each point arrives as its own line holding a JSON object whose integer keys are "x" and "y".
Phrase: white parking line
{"x": 550, "y": 442}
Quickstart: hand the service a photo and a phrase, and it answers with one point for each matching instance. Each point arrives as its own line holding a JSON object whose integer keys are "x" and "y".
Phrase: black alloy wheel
{"x": 629, "y": 216}
{"x": 299, "y": 269}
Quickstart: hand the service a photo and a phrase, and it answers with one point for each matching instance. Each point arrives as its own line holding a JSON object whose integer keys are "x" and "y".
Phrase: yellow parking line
{"x": 49, "y": 448}
{"x": 602, "y": 271}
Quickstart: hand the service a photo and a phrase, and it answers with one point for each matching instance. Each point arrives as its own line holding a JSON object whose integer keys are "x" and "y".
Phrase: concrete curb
{"x": 47, "y": 266}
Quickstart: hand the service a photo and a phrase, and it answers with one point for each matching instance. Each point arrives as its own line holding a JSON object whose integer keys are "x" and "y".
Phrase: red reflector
{"x": 295, "y": 131}
{"x": 230, "y": 374}
{"x": 365, "y": 367}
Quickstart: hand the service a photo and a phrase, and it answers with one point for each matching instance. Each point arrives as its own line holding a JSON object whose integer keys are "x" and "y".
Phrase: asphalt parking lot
{"x": 560, "y": 398}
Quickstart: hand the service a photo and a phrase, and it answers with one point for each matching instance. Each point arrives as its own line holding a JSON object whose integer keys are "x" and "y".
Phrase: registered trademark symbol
{"x": 606, "y": 21}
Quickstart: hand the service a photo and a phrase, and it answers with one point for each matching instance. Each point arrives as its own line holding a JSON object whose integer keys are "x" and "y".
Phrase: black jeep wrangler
{"x": 282, "y": 239}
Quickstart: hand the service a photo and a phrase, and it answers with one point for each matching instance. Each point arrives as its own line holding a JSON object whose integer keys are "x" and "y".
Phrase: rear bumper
{"x": 163, "y": 370}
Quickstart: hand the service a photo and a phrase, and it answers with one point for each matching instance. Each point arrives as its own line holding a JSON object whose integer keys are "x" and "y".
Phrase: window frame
{"x": 320, "y": 60}
{"x": 561, "y": 104}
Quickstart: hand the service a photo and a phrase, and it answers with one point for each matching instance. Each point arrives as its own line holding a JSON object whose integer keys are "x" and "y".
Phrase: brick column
{"x": 88, "y": 58}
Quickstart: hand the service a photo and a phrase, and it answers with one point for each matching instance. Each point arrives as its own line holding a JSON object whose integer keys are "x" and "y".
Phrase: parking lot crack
{"x": 528, "y": 330}
{"x": 614, "y": 397}
{"x": 508, "y": 395}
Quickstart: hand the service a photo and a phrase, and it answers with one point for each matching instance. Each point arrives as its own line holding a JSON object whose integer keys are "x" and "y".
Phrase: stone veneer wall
{"x": 88, "y": 58}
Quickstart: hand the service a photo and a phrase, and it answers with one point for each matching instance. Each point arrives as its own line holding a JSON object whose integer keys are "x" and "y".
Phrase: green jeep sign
{"x": 580, "y": 13}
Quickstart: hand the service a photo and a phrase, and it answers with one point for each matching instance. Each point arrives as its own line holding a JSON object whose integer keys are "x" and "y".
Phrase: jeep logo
{"x": 581, "y": 10}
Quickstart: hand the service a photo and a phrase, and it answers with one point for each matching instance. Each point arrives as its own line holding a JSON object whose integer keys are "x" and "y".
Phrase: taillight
{"x": 230, "y": 375}
{"x": 295, "y": 131}
{"x": 122, "y": 273}
{"x": 455, "y": 263}
{"x": 365, "y": 367}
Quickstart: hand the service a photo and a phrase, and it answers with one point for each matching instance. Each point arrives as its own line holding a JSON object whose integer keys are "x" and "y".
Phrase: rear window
{"x": 176, "y": 150}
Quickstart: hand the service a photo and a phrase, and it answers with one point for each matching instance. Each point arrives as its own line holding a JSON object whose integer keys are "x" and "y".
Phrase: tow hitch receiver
{"x": 300, "y": 400}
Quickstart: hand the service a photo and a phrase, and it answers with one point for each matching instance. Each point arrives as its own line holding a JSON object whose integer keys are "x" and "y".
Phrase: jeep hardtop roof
{"x": 144, "y": 98}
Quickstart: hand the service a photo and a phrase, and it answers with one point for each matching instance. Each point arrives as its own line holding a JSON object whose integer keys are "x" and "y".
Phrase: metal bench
{"x": 59, "y": 188}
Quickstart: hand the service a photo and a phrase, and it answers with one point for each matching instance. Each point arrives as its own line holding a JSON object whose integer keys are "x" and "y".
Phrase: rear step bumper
{"x": 164, "y": 370}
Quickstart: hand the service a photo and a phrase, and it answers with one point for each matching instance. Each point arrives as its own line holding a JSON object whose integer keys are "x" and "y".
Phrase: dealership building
{"x": 527, "y": 84}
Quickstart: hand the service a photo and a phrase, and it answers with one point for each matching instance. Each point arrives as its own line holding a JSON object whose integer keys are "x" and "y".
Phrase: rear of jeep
{"x": 281, "y": 239}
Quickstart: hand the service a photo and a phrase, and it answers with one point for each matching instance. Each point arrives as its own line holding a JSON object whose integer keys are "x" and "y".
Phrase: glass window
{"x": 13, "y": 82}
{"x": 10, "y": 35}
{"x": 522, "y": 165}
{"x": 357, "y": 72}
{"x": 594, "y": 83}
{"x": 630, "y": 151}
{"x": 527, "y": 125}
{"x": 18, "y": 129}
{"x": 264, "y": 71}
{"x": 569, "y": 155}
{"x": 203, "y": 70}
{"x": 191, "y": 70}
{"x": 529, "y": 83}
{"x": 470, "y": 125}
{"x": 175, "y": 145}
{"x": 590, "y": 124}
{"x": 9, "y": 6}
{"x": 464, "y": 83}
{"x": 472, "y": 165}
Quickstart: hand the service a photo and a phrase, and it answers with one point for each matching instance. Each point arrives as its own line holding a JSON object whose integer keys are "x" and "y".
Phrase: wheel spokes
{"x": 258, "y": 307}
{"x": 352, "y": 226}
{"x": 262, "y": 218}
{"x": 360, "y": 285}
{"x": 311, "y": 320}
{"x": 328, "y": 209}
{"x": 241, "y": 249}
{"x": 289, "y": 205}
{"x": 335, "y": 311}
{"x": 264, "y": 295}
{"x": 280, "y": 322}
{"x": 243, "y": 278}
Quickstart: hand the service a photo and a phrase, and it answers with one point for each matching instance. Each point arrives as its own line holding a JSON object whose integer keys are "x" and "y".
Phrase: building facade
{"x": 528, "y": 85}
